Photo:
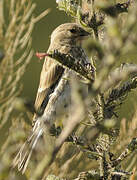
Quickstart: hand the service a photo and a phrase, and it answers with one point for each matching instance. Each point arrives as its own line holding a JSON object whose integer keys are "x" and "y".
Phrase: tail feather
{"x": 22, "y": 158}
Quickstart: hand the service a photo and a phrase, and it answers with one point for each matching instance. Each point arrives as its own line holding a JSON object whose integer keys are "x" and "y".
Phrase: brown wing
{"x": 50, "y": 74}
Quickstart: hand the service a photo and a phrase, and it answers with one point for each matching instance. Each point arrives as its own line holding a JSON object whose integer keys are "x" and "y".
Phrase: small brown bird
{"x": 53, "y": 80}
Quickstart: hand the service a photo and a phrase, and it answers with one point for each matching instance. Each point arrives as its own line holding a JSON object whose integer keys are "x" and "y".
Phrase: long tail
{"x": 22, "y": 158}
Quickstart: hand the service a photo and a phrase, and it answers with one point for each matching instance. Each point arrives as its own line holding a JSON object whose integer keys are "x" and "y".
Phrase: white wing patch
{"x": 40, "y": 90}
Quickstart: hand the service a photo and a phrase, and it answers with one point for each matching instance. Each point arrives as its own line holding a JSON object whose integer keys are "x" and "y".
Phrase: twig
{"x": 130, "y": 148}
{"x": 67, "y": 61}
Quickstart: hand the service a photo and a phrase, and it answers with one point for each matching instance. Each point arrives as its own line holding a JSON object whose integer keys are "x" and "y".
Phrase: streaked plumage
{"x": 64, "y": 39}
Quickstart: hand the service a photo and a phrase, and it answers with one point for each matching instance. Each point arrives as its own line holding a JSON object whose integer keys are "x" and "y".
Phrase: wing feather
{"x": 51, "y": 72}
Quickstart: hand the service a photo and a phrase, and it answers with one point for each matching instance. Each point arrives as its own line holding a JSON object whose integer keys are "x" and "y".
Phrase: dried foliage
{"x": 16, "y": 25}
{"x": 96, "y": 143}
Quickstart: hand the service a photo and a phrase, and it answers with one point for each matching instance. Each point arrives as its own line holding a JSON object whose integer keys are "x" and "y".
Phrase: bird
{"x": 53, "y": 79}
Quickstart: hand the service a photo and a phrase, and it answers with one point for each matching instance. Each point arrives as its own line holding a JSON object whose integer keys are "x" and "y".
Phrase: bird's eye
{"x": 73, "y": 30}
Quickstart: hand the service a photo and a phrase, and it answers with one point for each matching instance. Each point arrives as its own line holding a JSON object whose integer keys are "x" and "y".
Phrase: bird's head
{"x": 68, "y": 34}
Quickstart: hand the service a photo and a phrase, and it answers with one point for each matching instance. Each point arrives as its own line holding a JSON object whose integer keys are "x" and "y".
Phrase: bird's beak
{"x": 84, "y": 33}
